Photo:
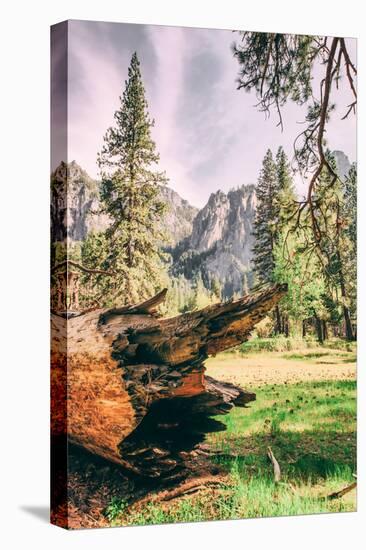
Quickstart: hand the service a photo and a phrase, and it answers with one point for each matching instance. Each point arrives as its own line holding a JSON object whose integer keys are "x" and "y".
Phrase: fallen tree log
{"x": 131, "y": 387}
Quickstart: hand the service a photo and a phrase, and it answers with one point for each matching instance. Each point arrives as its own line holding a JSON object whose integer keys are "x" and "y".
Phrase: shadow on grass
{"x": 305, "y": 456}
{"x": 305, "y": 356}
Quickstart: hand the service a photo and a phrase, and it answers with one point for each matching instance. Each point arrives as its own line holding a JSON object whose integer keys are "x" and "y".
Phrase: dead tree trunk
{"x": 319, "y": 329}
{"x": 131, "y": 387}
{"x": 346, "y": 312}
{"x": 278, "y": 327}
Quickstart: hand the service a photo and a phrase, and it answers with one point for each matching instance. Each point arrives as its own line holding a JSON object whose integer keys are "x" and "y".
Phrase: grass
{"x": 331, "y": 357}
{"x": 281, "y": 343}
{"x": 115, "y": 509}
{"x": 311, "y": 428}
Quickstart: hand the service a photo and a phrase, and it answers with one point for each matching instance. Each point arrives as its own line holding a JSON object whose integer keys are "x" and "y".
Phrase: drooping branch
{"x": 320, "y": 139}
{"x": 279, "y": 68}
{"x": 349, "y": 66}
{"x": 83, "y": 268}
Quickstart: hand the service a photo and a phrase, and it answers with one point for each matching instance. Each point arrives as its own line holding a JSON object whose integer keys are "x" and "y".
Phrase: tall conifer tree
{"x": 286, "y": 195}
{"x": 349, "y": 211}
{"x": 266, "y": 219}
{"x": 334, "y": 217}
{"x": 275, "y": 201}
{"x": 130, "y": 195}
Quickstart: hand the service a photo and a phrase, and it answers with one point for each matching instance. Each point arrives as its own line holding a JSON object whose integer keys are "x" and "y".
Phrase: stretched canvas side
{"x": 59, "y": 285}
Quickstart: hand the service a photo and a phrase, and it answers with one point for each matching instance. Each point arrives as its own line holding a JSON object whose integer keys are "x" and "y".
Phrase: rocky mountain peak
{"x": 74, "y": 202}
{"x": 179, "y": 216}
{"x": 208, "y": 226}
{"x": 343, "y": 164}
{"x": 215, "y": 242}
{"x": 223, "y": 218}
{"x": 220, "y": 246}
{"x": 76, "y": 209}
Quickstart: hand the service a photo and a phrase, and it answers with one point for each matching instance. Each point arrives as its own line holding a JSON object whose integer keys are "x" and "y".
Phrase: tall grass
{"x": 246, "y": 496}
{"x": 281, "y": 344}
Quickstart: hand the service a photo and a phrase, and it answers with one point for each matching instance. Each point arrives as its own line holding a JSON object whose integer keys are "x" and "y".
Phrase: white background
{"x": 24, "y": 218}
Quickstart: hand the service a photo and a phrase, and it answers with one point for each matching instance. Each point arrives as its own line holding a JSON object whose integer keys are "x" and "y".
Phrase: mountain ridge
{"x": 80, "y": 214}
{"x": 220, "y": 246}
{"x": 214, "y": 242}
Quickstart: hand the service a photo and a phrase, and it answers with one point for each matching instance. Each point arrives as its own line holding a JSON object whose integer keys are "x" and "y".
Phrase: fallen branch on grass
{"x": 190, "y": 490}
{"x": 344, "y": 491}
{"x": 276, "y": 466}
{"x": 187, "y": 488}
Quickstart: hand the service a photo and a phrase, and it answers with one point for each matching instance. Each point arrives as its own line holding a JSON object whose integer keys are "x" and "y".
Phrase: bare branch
{"x": 82, "y": 268}
{"x": 276, "y": 466}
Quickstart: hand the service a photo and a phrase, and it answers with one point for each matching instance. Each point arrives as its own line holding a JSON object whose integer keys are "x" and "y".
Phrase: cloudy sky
{"x": 209, "y": 134}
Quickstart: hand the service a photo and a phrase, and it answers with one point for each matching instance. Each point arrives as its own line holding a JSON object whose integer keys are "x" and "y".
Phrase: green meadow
{"x": 309, "y": 425}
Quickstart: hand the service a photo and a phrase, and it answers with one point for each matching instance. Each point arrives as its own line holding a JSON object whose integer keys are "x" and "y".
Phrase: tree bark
{"x": 348, "y": 324}
{"x": 346, "y": 313}
{"x": 278, "y": 320}
{"x": 318, "y": 325}
{"x": 131, "y": 387}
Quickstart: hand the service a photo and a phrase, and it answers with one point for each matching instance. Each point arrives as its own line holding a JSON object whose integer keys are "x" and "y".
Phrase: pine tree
{"x": 350, "y": 205}
{"x": 285, "y": 201}
{"x": 266, "y": 219}
{"x": 130, "y": 195}
{"x": 348, "y": 244}
{"x": 286, "y": 195}
{"x": 334, "y": 244}
{"x": 275, "y": 202}
{"x": 321, "y": 280}
{"x": 306, "y": 289}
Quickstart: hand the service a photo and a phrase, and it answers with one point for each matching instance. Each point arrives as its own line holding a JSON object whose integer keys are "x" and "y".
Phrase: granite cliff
{"x": 214, "y": 242}
{"x": 220, "y": 245}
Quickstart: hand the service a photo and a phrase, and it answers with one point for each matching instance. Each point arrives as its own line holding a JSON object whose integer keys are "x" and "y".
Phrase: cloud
{"x": 208, "y": 133}
{"x": 99, "y": 56}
